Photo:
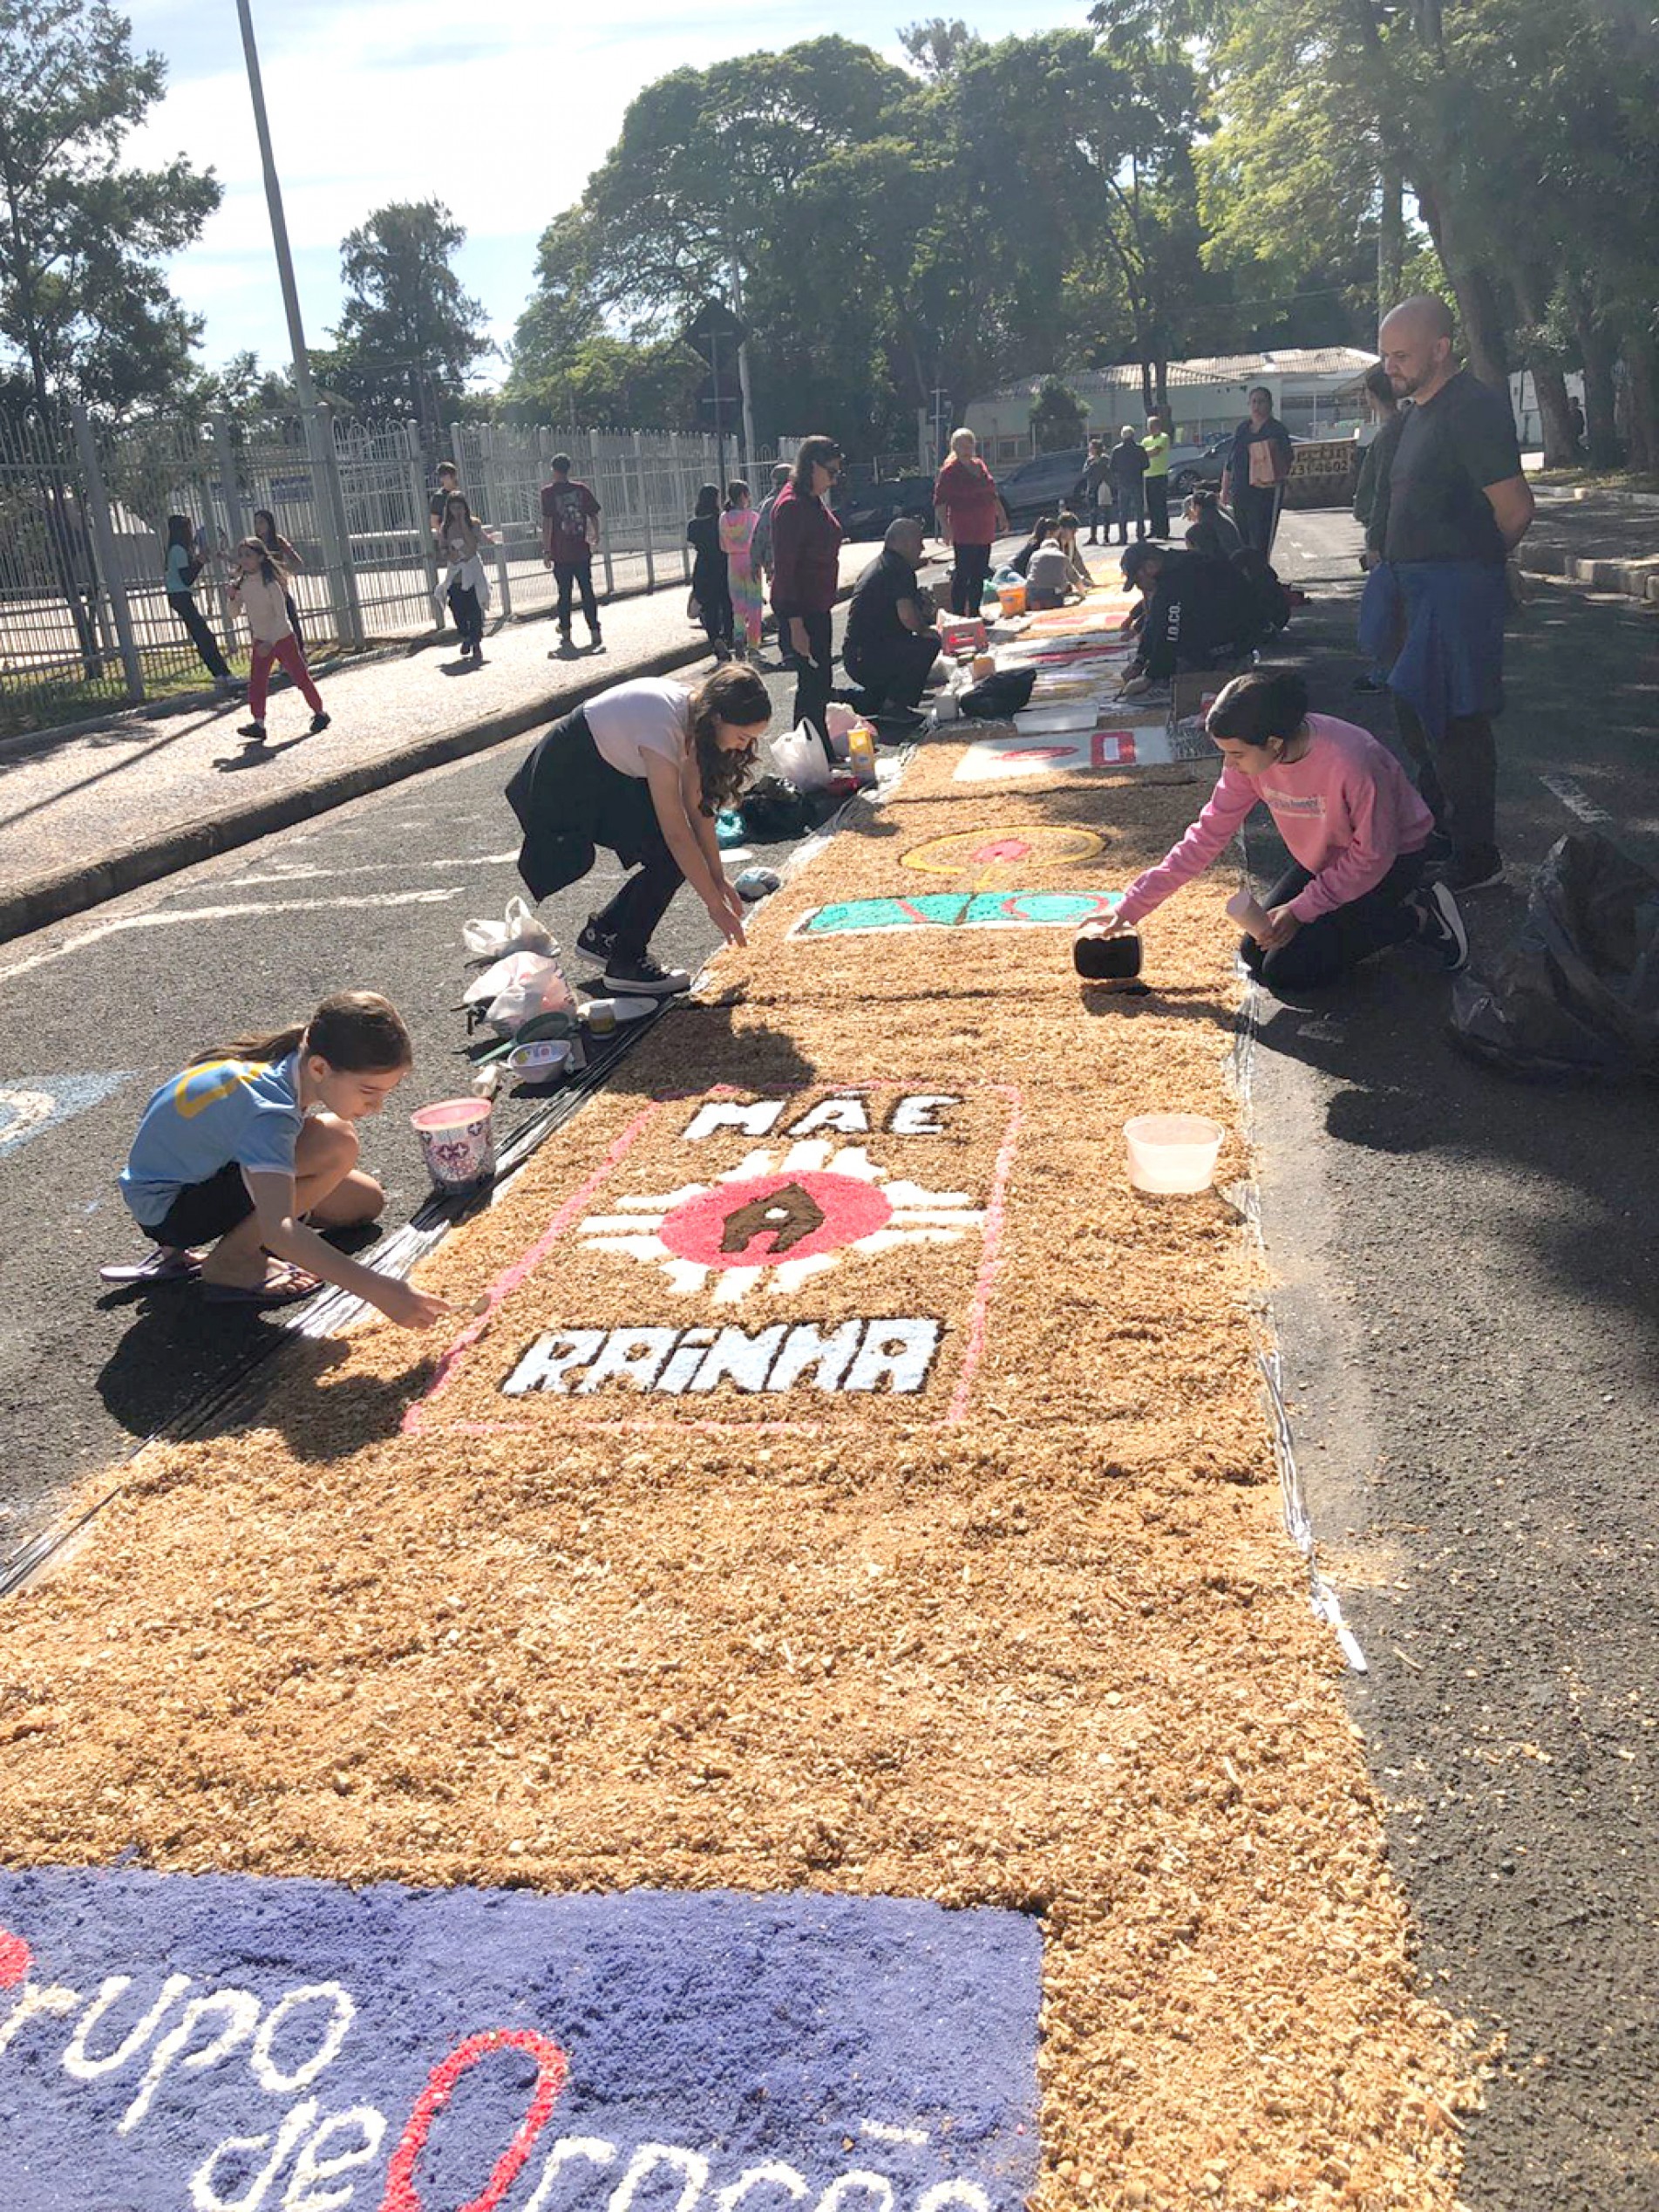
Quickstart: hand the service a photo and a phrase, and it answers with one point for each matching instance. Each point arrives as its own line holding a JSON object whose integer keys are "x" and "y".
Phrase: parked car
{"x": 1043, "y": 486}
{"x": 1193, "y": 468}
{"x": 868, "y": 513}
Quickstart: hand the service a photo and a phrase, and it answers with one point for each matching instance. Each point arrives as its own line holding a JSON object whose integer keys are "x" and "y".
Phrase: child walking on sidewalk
{"x": 260, "y": 590}
{"x": 738, "y": 536}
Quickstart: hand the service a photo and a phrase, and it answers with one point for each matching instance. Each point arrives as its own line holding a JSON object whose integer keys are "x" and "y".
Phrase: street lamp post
{"x": 325, "y": 475}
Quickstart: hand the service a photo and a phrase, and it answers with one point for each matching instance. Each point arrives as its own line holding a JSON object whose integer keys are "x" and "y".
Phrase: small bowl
{"x": 1172, "y": 1152}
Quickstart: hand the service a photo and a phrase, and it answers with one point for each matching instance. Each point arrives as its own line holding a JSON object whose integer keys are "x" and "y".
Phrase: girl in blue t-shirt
{"x": 183, "y": 567}
{"x": 254, "y": 1142}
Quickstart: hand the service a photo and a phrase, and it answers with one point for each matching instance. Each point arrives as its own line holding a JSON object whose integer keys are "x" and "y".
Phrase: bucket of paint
{"x": 599, "y": 1014}
{"x": 456, "y": 1142}
{"x": 1012, "y": 598}
{"x": 1172, "y": 1152}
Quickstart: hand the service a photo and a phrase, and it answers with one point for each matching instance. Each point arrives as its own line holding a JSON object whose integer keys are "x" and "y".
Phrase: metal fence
{"x": 84, "y": 619}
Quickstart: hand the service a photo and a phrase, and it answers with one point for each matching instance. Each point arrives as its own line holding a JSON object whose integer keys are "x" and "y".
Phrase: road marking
{"x": 1576, "y": 800}
{"x": 28, "y": 1108}
{"x": 218, "y": 914}
{"x": 305, "y": 872}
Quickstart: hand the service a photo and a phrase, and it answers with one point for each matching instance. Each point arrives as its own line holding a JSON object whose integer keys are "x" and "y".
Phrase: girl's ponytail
{"x": 357, "y": 1032}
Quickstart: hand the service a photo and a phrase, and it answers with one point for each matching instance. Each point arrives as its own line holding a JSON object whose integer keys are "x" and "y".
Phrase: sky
{"x": 498, "y": 108}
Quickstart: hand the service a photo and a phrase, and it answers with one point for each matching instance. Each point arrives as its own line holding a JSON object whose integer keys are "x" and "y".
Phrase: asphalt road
{"x": 1465, "y": 1292}
{"x": 97, "y": 1011}
{"x": 1468, "y": 1304}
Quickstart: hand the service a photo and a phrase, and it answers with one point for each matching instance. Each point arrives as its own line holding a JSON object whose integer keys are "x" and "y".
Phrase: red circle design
{"x": 15, "y": 1959}
{"x": 848, "y": 1208}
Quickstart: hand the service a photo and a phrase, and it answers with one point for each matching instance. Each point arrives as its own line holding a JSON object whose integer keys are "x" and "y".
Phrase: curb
{"x": 1637, "y": 580}
{"x": 54, "y": 898}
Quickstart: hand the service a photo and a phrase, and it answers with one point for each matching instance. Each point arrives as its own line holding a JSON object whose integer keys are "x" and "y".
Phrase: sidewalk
{"x": 91, "y": 815}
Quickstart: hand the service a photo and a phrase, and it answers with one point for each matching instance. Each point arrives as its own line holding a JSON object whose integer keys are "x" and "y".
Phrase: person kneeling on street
{"x": 252, "y": 1149}
{"x": 1353, "y": 826}
{"x": 642, "y": 769}
{"x": 891, "y": 644}
{"x": 1198, "y": 612}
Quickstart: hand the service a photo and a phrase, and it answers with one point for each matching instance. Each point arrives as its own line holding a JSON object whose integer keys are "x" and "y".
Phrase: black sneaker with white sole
{"x": 595, "y": 940}
{"x": 1442, "y": 928}
{"x": 642, "y": 977}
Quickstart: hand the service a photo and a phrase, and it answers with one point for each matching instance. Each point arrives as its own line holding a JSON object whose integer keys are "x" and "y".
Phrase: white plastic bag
{"x": 518, "y": 930}
{"x": 801, "y": 759}
{"x": 519, "y": 987}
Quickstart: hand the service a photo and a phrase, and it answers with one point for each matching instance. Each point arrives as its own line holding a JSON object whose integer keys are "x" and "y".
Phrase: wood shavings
{"x": 1055, "y": 1654}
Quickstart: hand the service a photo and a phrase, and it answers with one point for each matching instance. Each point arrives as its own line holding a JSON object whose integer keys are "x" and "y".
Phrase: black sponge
{"x": 1102, "y": 959}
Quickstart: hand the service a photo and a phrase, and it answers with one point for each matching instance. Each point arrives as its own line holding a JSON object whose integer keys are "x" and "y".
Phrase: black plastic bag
{"x": 1577, "y": 996}
{"x": 1001, "y": 696}
{"x": 773, "y": 811}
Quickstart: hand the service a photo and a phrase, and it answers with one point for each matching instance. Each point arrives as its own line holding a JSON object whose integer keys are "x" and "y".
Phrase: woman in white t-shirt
{"x": 642, "y": 769}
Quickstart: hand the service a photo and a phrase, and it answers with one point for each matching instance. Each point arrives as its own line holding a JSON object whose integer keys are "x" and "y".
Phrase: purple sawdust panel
{"x": 176, "y": 2043}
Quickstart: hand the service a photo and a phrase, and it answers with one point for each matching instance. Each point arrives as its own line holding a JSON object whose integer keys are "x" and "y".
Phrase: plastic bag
{"x": 519, "y": 930}
{"x": 1577, "y": 996}
{"x": 518, "y": 988}
{"x": 799, "y": 758}
{"x": 1000, "y": 697}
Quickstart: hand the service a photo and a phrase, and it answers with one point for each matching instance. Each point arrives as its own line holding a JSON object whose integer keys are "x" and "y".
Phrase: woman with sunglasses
{"x": 806, "y": 574}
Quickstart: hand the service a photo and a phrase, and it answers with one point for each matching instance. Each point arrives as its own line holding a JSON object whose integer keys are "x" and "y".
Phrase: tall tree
{"x": 84, "y": 303}
{"x": 409, "y": 333}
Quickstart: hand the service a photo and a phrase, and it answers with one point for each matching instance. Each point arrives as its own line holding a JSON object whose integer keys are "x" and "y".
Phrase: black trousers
{"x": 293, "y": 613}
{"x": 968, "y": 576}
{"x": 576, "y": 576}
{"x": 469, "y": 616}
{"x": 1322, "y": 951}
{"x": 201, "y": 636}
{"x": 895, "y": 671}
{"x": 713, "y": 595}
{"x": 1457, "y": 778}
{"x": 568, "y": 800}
{"x": 1256, "y": 509}
{"x": 814, "y": 674}
{"x": 1158, "y": 504}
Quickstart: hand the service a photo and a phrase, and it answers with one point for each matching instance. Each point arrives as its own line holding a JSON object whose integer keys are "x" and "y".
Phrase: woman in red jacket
{"x": 970, "y": 513}
{"x": 806, "y": 574}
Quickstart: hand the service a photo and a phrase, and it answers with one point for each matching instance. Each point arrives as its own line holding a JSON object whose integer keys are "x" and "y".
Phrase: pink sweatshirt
{"x": 1346, "y": 810}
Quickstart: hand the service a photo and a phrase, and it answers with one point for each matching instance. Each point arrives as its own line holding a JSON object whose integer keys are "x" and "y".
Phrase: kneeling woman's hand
{"x": 725, "y": 911}
{"x": 1282, "y": 925}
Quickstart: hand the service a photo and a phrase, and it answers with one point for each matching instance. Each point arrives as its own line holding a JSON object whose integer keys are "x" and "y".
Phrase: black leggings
{"x": 968, "y": 578}
{"x": 714, "y": 607}
{"x": 201, "y": 636}
{"x": 469, "y": 616}
{"x": 1322, "y": 950}
{"x": 815, "y": 673}
{"x": 575, "y": 576}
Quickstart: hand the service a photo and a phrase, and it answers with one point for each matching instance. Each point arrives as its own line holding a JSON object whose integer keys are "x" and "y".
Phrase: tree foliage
{"x": 408, "y": 335}
{"x": 84, "y": 306}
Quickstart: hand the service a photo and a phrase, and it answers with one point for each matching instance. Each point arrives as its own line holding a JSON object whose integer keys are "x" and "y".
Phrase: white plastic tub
{"x": 1172, "y": 1152}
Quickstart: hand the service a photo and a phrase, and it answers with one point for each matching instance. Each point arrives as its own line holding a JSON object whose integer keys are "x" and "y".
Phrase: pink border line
{"x": 414, "y": 1419}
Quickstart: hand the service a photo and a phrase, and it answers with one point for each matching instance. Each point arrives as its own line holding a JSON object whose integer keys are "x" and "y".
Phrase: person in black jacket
{"x": 710, "y": 580}
{"x": 1199, "y": 612}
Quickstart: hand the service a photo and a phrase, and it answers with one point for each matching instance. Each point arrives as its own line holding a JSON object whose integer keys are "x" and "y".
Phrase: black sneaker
{"x": 1475, "y": 869}
{"x": 895, "y": 724}
{"x": 595, "y": 940}
{"x": 254, "y": 730}
{"x": 1442, "y": 928}
{"x": 319, "y": 723}
{"x": 642, "y": 979}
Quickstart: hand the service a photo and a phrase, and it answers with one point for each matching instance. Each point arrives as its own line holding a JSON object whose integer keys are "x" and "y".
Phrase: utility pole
{"x": 743, "y": 374}
{"x": 325, "y": 475}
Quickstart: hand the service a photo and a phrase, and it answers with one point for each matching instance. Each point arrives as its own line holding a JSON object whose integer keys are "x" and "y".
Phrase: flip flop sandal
{"x": 160, "y": 1266}
{"x": 286, "y": 1287}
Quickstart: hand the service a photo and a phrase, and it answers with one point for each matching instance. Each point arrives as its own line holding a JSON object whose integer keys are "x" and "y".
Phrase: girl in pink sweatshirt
{"x": 1354, "y": 825}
